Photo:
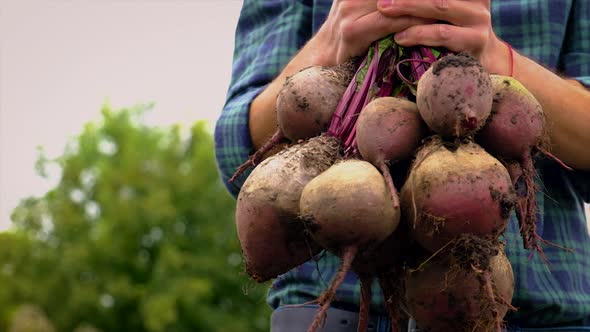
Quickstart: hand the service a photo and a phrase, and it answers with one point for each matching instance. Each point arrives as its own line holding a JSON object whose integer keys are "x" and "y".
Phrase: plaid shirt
{"x": 556, "y": 33}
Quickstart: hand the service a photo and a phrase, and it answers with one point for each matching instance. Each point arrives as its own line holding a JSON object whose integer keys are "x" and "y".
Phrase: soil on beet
{"x": 468, "y": 286}
{"x": 455, "y": 97}
{"x": 461, "y": 60}
{"x": 454, "y": 191}
{"x": 272, "y": 238}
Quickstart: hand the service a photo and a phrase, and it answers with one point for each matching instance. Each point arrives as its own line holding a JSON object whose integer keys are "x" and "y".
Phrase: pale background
{"x": 60, "y": 60}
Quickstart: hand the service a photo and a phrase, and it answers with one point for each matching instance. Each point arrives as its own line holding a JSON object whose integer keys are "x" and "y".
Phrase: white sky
{"x": 60, "y": 60}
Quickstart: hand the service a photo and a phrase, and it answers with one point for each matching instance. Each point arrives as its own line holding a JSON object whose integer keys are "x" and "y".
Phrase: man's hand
{"x": 458, "y": 25}
{"x": 352, "y": 25}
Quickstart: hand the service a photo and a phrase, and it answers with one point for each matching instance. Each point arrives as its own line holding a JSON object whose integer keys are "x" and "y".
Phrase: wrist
{"x": 319, "y": 49}
{"x": 499, "y": 58}
{"x": 510, "y": 59}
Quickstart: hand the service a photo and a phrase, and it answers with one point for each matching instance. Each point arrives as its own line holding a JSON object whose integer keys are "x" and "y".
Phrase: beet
{"x": 308, "y": 99}
{"x": 468, "y": 289}
{"x": 305, "y": 106}
{"x": 455, "y": 188}
{"x": 515, "y": 132}
{"x": 349, "y": 205}
{"x": 272, "y": 238}
{"x": 389, "y": 129}
{"x": 348, "y": 209}
{"x": 454, "y": 96}
{"x": 517, "y": 123}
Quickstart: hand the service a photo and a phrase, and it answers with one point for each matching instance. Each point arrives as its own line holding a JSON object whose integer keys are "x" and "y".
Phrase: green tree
{"x": 138, "y": 235}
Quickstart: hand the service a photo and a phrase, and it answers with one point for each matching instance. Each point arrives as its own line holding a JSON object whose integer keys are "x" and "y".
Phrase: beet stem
{"x": 367, "y": 92}
{"x": 365, "y": 304}
{"x": 348, "y": 255}
{"x": 416, "y": 73}
{"x": 254, "y": 159}
{"x": 360, "y": 99}
{"x": 351, "y": 137}
{"x": 427, "y": 52}
{"x": 418, "y": 69}
{"x": 346, "y": 102}
{"x": 352, "y": 149}
{"x": 342, "y": 107}
{"x": 389, "y": 181}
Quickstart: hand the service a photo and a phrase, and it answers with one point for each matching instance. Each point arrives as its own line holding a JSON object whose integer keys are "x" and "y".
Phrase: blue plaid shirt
{"x": 555, "y": 33}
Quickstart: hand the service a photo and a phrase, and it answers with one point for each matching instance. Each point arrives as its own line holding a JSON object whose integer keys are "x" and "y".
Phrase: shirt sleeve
{"x": 576, "y": 65}
{"x": 268, "y": 34}
{"x": 576, "y": 56}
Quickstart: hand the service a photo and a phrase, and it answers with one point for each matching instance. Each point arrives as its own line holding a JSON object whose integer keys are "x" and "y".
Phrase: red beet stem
{"x": 389, "y": 181}
{"x": 427, "y": 54}
{"x": 383, "y": 77}
{"x": 417, "y": 72}
{"x": 351, "y": 137}
{"x": 360, "y": 99}
{"x": 418, "y": 69}
{"x": 343, "y": 105}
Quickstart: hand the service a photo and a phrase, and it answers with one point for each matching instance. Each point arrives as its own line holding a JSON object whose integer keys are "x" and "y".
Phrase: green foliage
{"x": 138, "y": 235}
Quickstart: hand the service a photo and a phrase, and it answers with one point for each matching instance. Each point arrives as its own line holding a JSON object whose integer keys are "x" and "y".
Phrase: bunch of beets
{"x": 458, "y": 141}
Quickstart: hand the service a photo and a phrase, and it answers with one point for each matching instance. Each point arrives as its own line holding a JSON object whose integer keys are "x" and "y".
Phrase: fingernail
{"x": 400, "y": 36}
{"x": 386, "y": 3}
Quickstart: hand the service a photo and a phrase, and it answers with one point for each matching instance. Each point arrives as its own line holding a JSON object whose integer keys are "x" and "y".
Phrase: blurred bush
{"x": 138, "y": 235}
{"x": 30, "y": 318}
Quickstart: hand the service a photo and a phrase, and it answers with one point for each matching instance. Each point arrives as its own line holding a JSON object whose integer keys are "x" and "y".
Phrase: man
{"x": 551, "y": 57}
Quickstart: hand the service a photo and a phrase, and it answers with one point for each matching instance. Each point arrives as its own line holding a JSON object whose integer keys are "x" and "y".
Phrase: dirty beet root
{"x": 388, "y": 130}
{"x": 363, "y": 323}
{"x": 385, "y": 262}
{"x": 468, "y": 286}
{"x": 392, "y": 288}
{"x": 515, "y": 132}
{"x": 454, "y": 189}
{"x": 272, "y": 238}
{"x": 304, "y": 107}
{"x": 348, "y": 209}
{"x": 454, "y": 96}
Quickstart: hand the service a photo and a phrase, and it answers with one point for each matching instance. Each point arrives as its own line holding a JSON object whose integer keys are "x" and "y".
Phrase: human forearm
{"x": 566, "y": 104}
